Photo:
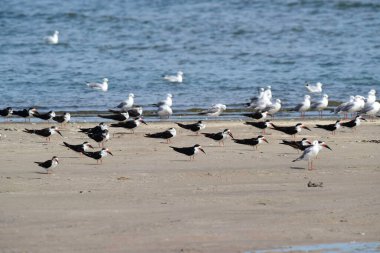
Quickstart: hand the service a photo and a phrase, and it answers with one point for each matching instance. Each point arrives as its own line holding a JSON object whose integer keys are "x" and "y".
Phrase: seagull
{"x": 164, "y": 111}
{"x": 268, "y": 92}
{"x": 174, "y": 79}
{"x": 254, "y": 142}
{"x": 339, "y": 108}
{"x": 98, "y": 155}
{"x": 7, "y": 112}
{"x": 254, "y": 100}
{"x": 65, "y": 118}
{"x": 304, "y": 106}
{"x": 189, "y": 151}
{"x": 219, "y": 137}
{"x": 26, "y": 113}
{"x": 353, "y": 123}
{"x": 311, "y": 153}
{"x": 257, "y": 115}
{"x": 120, "y": 116}
{"x": 49, "y": 164}
{"x": 130, "y": 124}
{"x": 321, "y": 104}
{"x": 290, "y": 130}
{"x": 99, "y": 86}
{"x": 80, "y": 148}
{"x": 299, "y": 145}
{"x": 355, "y": 106}
{"x": 371, "y": 98}
{"x": 273, "y": 108}
{"x": 45, "y": 132}
{"x": 195, "y": 127}
{"x": 317, "y": 88}
{"x": 215, "y": 110}
{"x": 100, "y": 137}
{"x": 45, "y": 116}
{"x": 330, "y": 127}
{"x": 168, "y": 101}
{"x": 127, "y": 104}
{"x": 371, "y": 109}
{"x": 167, "y": 135}
{"x": 52, "y": 39}
{"x": 261, "y": 125}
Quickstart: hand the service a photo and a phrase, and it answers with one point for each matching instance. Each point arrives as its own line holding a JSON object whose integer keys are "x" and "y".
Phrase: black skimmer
{"x": 49, "y": 164}
{"x": 7, "y": 112}
{"x": 45, "y": 132}
{"x": 130, "y": 124}
{"x": 98, "y": 129}
{"x": 100, "y": 137}
{"x": 120, "y": 116}
{"x": 45, "y": 116}
{"x": 330, "y": 127}
{"x": 290, "y": 130}
{"x": 257, "y": 115}
{"x": 214, "y": 111}
{"x": 80, "y": 148}
{"x": 219, "y": 137}
{"x": 98, "y": 155}
{"x": 254, "y": 142}
{"x": 353, "y": 123}
{"x": 303, "y": 106}
{"x": 261, "y": 125}
{"x": 189, "y": 151}
{"x": 311, "y": 152}
{"x": 26, "y": 113}
{"x": 299, "y": 145}
{"x": 63, "y": 119}
{"x": 133, "y": 112}
{"x": 167, "y": 135}
{"x": 195, "y": 127}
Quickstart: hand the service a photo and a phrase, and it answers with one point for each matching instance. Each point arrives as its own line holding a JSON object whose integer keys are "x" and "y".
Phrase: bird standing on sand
{"x": 98, "y": 155}
{"x": 166, "y": 135}
{"x": 45, "y": 116}
{"x": 311, "y": 153}
{"x": 45, "y": 132}
{"x": 257, "y": 115}
{"x": 100, "y": 136}
{"x": 97, "y": 129}
{"x": 261, "y": 124}
{"x": 254, "y": 142}
{"x": 130, "y": 124}
{"x": 330, "y": 127}
{"x": 290, "y": 130}
{"x": 6, "y": 112}
{"x": 52, "y": 39}
{"x": 26, "y": 113}
{"x": 189, "y": 151}
{"x": 214, "y": 111}
{"x": 353, "y": 123}
{"x": 317, "y": 88}
{"x": 321, "y": 104}
{"x": 99, "y": 86}
{"x": 219, "y": 137}
{"x": 273, "y": 108}
{"x": 63, "y": 119}
{"x": 195, "y": 127}
{"x": 120, "y": 116}
{"x": 49, "y": 164}
{"x": 303, "y": 106}
{"x": 174, "y": 79}
{"x": 80, "y": 148}
{"x": 299, "y": 145}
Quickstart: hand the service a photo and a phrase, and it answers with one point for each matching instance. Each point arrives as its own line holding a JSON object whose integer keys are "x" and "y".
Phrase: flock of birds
{"x": 263, "y": 105}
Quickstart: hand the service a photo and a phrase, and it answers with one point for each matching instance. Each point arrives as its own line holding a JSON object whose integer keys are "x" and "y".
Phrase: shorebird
{"x": 371, "y": 98}
{"x": 262, "y": 101}
{"x": 219, "y": 137}
{"x": 63, "y": 119}
{"x": 135, "y": 112}
{"x": 126, "y": 104}
{"x": 321, "y": 104}
{"x": 299, "y": 145}
{"x": 290, "y": 130}
{"x": 195, "y": 127}
{"x": 100, "y": 136}
{"x": 80, "y": 148}
{"x": 26, "y": 113}
{"x": 353, "y": 123}
{"x": 330, "y": 127}
{"x": 52, "y": 39}
{"x": 303, "y": 106}
{"x": 261, "y": 125}
{"x": 7, "y": 112}
{"x": 164, "y": 111}
{"x": 98, "y": 155}
{"x": 354, "y": 106}
{"x": 97, "y": 129}
{"x": 254, "y": 142}
{"x": 99, "y": 86}
{"x": 166, "y": 135}
{"x": 189, "y": 151}
{"x": 45, "y": 116}
{"x": 371, "y": 109}
{"x": 120, "y": 116}
{"x": 45, "y": 132}
{"x": 49, "y": 164}
{"x": 168, "y": 101}
{"x": 311, "y": 153}
{"x": 339, "y": 109}
{"x": 273, "y": 108}
{"x": 174, "y": 79}
{"x": 130, "y": 124}
{"x": 317, "y": 88}
{"x": 214, "y": 111}
{"x": 257, "y": 115}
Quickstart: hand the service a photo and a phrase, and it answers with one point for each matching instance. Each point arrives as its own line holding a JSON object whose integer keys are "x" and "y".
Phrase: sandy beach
{"x": 147, "y": 198}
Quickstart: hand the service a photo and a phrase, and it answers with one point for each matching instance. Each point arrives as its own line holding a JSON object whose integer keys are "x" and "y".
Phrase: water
{"x": 225, "y": 48}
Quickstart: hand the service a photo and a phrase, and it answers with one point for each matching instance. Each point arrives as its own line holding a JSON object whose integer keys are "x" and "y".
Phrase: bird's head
{"x": 199, "y": 147}
{"x": 262, "y": 138}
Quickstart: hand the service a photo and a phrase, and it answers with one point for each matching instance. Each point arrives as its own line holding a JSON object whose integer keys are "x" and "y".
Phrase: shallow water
{"x": 225, "y": 48}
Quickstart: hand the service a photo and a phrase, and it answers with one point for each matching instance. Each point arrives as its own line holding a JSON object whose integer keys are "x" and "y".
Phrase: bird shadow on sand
{"x": 41, "y": 173}
{"x": 297, "y": 168}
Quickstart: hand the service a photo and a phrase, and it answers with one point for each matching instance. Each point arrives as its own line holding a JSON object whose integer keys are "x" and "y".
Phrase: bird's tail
{"x": 296, "y": 160}
{"x": 115, "y": 125}
{"x": 29, "y": 131}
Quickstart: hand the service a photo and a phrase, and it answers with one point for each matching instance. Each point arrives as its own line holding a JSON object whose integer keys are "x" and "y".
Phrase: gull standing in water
{"x": 321, "y": 104}
{"x": 99, "y": 86}
{"x": 317, "y": 88}
{"x": 174, "y": 79}
{"x": 52, "y": 39}
{"x": 304, "y": 106}
{"x": 215, "y": 110}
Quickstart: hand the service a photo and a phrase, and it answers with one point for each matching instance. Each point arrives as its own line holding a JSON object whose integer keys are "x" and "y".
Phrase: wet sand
{"x": 147, "y": 198}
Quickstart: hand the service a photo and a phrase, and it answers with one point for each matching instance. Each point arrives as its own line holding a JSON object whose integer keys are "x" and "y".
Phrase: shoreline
{"x": 147, "y": 198}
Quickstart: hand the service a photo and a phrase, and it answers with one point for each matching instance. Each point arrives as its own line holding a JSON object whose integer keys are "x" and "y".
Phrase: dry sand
{"x": 147, "y": 198}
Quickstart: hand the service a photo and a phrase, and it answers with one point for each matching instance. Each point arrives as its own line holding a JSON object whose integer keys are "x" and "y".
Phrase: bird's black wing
{"x": 76, "y": 148}
{"x": 160, "y": 135}
{"x": 46, "y": 164}
{"x": 186, "y": 151}
{"x": 94, "y": 155}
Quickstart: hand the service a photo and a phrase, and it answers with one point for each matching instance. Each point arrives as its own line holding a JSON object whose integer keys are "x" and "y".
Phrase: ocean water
{"x": 226, "y": 50}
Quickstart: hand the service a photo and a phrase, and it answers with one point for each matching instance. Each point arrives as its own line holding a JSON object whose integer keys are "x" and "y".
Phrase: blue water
{"x": 225, "y": 48}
